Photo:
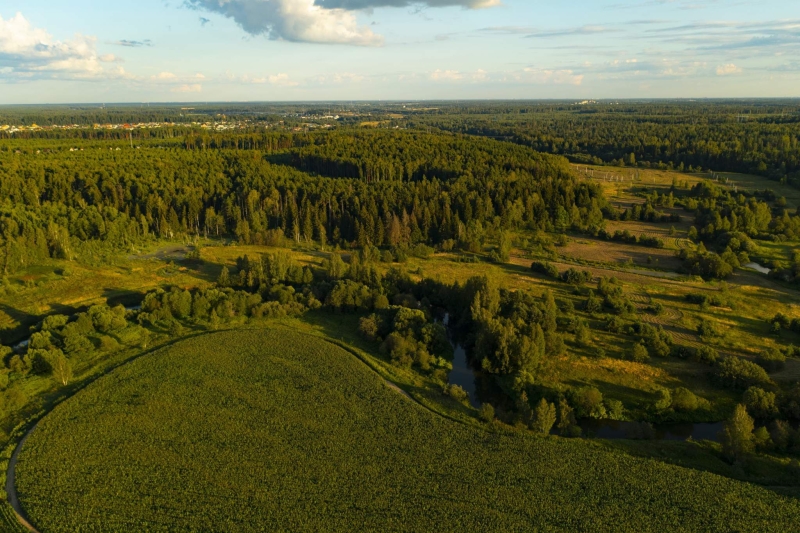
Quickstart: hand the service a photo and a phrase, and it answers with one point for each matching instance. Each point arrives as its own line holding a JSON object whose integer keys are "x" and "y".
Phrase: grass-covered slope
{"x": 271, "y": 430}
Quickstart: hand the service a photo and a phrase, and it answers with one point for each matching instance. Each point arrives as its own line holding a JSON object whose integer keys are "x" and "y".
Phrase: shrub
{"x": 110, "y": 344}
{"x": 593, "y": 304}
{"x": 368, "y": 327}
{"x": 639, "y": 353}
{"x": 614, "y": 409}
{"x": 544, "y": 417}
{"x": 684, "y": 400}
{"x": 486, "y": 413}
{"x": 54, "y": 322}
{"x": 400, "y": 349}
{"x": 41, "y": 341}
{"x": 706, "y": 328}
{"x": 574, "y": 276}
{"x": 660, "y": 348}
{"x": 543, "y": 267}
{"x": 422, "y": 251}
{"x": 771, "y": 361}
{"x": 588, "y": 403}
{"x": 381, "y": 302}
{"x": 736, "y": 373}
{"x": 781, "y": 434}
{"x": 705, "y": 354}
{"x": 663, "y": 401}
{"x": 457, "y": 393}
{"x": 760, "y": 403}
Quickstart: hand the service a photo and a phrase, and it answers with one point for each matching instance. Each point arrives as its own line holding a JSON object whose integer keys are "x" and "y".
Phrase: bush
{"x": 422, "y": 251}
{"x": 706, "y": 328}
{"x": 705, "y": 354}
{"x": 457, "y": 393}
{"x": 588, "y": 403}
{"x": 544, "y": 417}
{"x": 368, "y": 327}
{"x": 684, "y": 400}
{"x": 771, "y": 361}
{"x": 543, "y": 267}
{"x": 663, "y": 401}
{"x": 110, "y": 344}
{"x": 639, "y": 353}
{"x": 736, "y": 373}
{"x": 614, "y": 409}
{"x": 486, "y": 413}
{"x": 574, "y": 276}
{"x": 703, "y": 300}
{"x": 760, "y": 403}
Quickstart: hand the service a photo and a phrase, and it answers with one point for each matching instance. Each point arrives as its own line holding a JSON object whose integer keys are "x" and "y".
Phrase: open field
{"x": 284, "y": 430}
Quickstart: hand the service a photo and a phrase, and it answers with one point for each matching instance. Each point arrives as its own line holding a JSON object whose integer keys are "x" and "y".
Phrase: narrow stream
{"x": 471, "y": 381}
{"x": 463, "y": 375}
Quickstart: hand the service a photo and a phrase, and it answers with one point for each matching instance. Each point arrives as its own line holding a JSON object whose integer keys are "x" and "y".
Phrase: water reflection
{"x": 614, "y": 429}
{"x": 758, "y": 268}
{"x": 463, "y": 375}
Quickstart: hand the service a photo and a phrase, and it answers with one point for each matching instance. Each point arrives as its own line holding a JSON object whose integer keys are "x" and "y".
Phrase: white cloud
{"x": 480, "y": 75}
{"x": 727, "y": 70}
{"x": 316, "y": 21}
{"x": 446, "y": 75}
{"x": 549, "y": 76}
{"x": 293, "y": 20}
{"x": 369, "y": 4}
{"x": 33, "y": 53}
{"x": 525, "y": 76}
{"x": 165, "y": 76}
{"x": 187, "y": 88}
{"x": 281, "y": 80}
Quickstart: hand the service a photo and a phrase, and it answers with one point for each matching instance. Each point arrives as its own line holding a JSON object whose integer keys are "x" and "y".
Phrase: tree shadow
{"x": 703, "y": 456}
{"x": 124, "y": 297}
{"x": 21, "y": 331}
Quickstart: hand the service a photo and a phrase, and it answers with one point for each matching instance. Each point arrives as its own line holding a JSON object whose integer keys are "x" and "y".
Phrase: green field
{"x": 274, "y": 430}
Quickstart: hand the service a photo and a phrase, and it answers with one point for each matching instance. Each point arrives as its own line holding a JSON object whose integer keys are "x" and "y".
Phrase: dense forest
{"x": 415, "y": 188}
{"x": 752, "y": 137}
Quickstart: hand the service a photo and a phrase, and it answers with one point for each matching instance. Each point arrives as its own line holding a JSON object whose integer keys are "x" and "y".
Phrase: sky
{"x": 93, "y": 51}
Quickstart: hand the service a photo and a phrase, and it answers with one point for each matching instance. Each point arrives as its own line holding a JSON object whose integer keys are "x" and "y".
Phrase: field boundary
{"x": 12, "y": 497}
{"x": 11, "y": 489}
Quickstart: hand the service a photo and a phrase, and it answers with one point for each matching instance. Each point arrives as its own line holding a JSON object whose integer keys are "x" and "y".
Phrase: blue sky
{"x": 274, "y": 50}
